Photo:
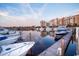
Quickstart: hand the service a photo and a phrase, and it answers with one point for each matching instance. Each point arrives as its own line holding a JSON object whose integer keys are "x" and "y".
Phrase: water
{"x": 30, "y": 36}
{"x": 42, "y": 44}
{"x": 71, "y": 50}
{"x": 41, "y": 39}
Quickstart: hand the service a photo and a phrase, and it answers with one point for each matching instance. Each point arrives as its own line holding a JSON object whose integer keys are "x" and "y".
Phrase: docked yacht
{"x": 17, "y": 49}
{"x": 3, "y": 31}
{"x": 6, "y": 32}
{"x": 4, "y": 40}
{"x": 61, "y": 30}
{"x": 12, "y": 33}
{"x": 8, "y": 37}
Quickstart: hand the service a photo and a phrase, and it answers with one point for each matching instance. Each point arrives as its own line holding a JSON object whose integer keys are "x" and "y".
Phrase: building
{"x": 76, "y": 19}
{"x": 72, "y": 20}
{"x": 43, "y": 23}
{"x": 68, "y": 21}
{"x": 61, "y": 21}
{"x": 54, "y": 22}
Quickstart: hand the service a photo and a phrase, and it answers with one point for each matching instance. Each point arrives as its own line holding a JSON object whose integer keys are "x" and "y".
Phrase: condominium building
{"x": 76, "y": 19}
{"x": 70, "y": 20}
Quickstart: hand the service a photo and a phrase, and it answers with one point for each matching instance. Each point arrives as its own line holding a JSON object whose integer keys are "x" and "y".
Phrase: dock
{"x": 53, "y": 50}
{"x": 77, "y": 38}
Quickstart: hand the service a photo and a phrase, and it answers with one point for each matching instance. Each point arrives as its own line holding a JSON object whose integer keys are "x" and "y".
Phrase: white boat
{"x": 18, "y": 49}
{"x": 13, "y": 33}
{"x": 8, "y": 36}
{"x": 61, "y": 30}
{"x": 4, "y": 40}
{"x": 7, "y": 32}
{"x": 3, "y": 31}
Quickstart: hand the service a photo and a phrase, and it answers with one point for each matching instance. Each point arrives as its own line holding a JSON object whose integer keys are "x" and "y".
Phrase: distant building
{"x": 61, "y": 21}
{"x": 54, "y": 22}
{"x": 68, "y": 21}
{"x": 77, "y": 19}
{"x": 43, "y": 23}
{"x": 72, "y": 20}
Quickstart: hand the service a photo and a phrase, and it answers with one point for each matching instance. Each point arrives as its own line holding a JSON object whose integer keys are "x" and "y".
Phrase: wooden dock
{"x": 53, "y": 50}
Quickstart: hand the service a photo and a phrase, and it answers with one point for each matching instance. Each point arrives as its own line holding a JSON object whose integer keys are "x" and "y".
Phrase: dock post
{"x": 30, "y": 36}
{"x": 20, "y": 39}
{"x": 20, "y": 34}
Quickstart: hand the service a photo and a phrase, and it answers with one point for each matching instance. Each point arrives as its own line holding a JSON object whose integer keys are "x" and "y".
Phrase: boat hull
{"x": 17, "y": 49}
{"x": 9, "y": 40}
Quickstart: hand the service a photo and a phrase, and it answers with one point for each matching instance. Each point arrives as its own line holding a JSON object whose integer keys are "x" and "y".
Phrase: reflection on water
{"x": 42, "y": 44}
{"x": 42, "y": 39}
{"x": 34, "y": 35}
{"x": 30, "y": 35}
{"x": 43, "y": 33}
{"x": 71, "y": 50}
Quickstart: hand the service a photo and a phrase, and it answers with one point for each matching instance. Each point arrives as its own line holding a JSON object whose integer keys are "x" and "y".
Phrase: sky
{"x": 23, "y": 14}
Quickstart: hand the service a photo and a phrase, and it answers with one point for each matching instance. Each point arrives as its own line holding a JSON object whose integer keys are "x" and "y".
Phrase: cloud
{"x": 3, "y": 13}
{"x": 25, "y": 15}
{"x": 27, "y": 20}
{"x": 76, "y": 12}
{"x": 18, "y": 16}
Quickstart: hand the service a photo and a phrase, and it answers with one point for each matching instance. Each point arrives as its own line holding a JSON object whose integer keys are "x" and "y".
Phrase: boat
{"x": 3, "y": 31}
{"x": 4, "y": 40}
{"x": 17, "y": 49}
{"x": 61, "y": 30}
{"x": 8, "y": 37}
{"x": 7, "y": 32}
{"x": 13, "y": 33}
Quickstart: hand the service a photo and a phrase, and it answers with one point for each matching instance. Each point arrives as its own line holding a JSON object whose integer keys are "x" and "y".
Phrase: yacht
{"x": 61, "y": 30}
{"x": 3, "y": 31}
{"x": 6, "y": 32}
{"x": 8, "y": 37}
{"x": 5, "y": 40}
{"x": 17, "y": 49}
{"x": 12, "y": 33}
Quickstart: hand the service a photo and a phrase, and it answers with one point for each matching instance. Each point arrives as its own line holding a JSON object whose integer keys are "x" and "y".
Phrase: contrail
{"x": 42, "y": 10}
{"x": 39, "y": 14}
{"x": 32, "y": 11}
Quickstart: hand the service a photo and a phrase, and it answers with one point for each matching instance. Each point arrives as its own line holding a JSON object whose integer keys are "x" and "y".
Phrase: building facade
{"x": 68, "y": 21}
